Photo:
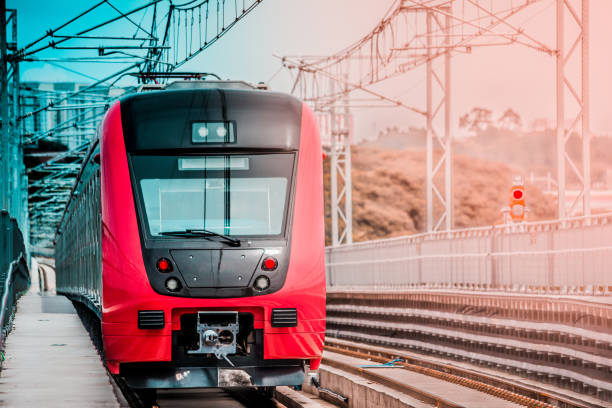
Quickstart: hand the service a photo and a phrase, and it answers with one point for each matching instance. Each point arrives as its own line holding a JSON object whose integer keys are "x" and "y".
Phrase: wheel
{"x": 148, "y": 397}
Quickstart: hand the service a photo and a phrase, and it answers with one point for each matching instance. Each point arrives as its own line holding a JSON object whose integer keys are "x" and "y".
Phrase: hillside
{"x": 531, "y": 151}
{"x": 389, "y": 193}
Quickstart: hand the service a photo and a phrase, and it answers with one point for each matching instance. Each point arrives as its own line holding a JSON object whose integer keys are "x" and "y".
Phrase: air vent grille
{"x": 284, "y": 317}
{"x": 150, "y": 319}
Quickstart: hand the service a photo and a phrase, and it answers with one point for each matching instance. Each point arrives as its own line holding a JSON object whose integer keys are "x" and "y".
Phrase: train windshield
{"x": 239, "y": 195}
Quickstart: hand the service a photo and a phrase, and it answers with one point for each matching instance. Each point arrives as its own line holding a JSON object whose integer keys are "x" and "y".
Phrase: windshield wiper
{"x": 201, "y": 233}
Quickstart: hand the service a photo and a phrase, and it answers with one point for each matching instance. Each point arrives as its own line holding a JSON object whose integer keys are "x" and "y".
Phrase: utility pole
{"x": 438, "y": 110}
{"x": 577, "y": 89}
{"x": 13, "y": 179}
{"x": 340, "y": 170}
{"x": 560, "y": 119}
{"x": 20, "y": 178}
{"x": 333, "y": 130}
{"x": 429, "y": 126}
{"x": 348, "y": 177}
{"x": 586, "y": 111}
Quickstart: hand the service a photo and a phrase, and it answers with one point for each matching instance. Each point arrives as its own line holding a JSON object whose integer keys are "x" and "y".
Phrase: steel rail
{"x": 560, "y": 343}
{"x": 536, "y": 342}
{"x": 495, "y": 386}
{"x": 539, "y": 358}
{"x": 465, "y": 320}
{"x": 404, "y": 388}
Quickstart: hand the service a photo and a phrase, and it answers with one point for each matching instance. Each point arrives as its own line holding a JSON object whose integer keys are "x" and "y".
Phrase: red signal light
{"x": 269, "y": 264}
{"x": 517, "y": 194}
{"x": 164, "y": 265}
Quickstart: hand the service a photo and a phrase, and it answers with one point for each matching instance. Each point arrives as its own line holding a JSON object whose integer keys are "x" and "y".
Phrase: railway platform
{"x": 50, "y": 360}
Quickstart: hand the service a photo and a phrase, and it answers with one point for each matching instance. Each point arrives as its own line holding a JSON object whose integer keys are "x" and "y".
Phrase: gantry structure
{"x": 427, "y": 33}
{"x": 49, "y": 126}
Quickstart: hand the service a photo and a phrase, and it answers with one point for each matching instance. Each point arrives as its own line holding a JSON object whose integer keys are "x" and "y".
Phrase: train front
{"x": 212, "y": 238}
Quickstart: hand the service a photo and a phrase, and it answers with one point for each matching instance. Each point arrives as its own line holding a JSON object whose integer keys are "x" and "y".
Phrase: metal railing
{"x": 570, "y": 256}
{"x": 17, "y": 281}
{"x": 14, "y": 275}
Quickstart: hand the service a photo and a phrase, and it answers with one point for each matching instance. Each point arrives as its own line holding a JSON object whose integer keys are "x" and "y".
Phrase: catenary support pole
{"x": 348, "y": 177}
{"x": 560, "y": 119}
{"x": 448, "y": 138}
{"x": 586, "y": 114}
{"x": 429, "y": 153}
{"x": 4, "y": 108}
{"x": 333, "y": 169}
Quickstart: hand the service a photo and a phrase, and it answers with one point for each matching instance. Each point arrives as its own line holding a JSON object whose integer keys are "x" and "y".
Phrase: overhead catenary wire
{"x": 166, "y": 38}
{"x": 52, "y": 44}
{"x": 391, "y": 48}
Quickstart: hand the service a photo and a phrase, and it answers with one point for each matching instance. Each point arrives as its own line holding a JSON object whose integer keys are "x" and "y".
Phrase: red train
{"x": 195, "y": 232}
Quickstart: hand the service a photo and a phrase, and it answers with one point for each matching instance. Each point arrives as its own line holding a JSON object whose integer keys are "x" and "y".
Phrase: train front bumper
{"x": 146, "y": 376}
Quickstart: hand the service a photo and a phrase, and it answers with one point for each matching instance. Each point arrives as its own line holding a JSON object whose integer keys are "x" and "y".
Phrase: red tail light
{"x": 164, "y": 265}
{"x": 269, "y": 264}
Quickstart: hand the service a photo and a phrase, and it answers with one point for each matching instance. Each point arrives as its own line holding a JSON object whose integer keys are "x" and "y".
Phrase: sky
{"x": 494, "y": 77}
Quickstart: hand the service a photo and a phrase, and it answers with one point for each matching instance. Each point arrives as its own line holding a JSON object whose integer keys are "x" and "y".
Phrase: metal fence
{"x": 14, "y": 275}
{"x": 571, "y": 256}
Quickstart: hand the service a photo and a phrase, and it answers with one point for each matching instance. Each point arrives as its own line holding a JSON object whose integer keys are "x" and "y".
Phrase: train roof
{"x": 203, "y": 84}
{"x": 165, "y": 119}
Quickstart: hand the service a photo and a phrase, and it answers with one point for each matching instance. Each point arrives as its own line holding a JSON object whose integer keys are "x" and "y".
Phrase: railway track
{"x": 200, "y": 397}
{"x": 353, "y": 336}
{"x": 211, "y": 397}
{"x": 563, "y": 346}
{"x": 477, "y": 380}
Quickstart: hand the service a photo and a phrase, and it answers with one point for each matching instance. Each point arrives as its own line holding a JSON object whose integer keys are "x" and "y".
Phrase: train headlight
{"x": 262, "y": 283}
{"x": 203, "y": 131}
{"x": 213, "y": 132}
{"x": 221, "y": 131}
{"x": 173, "y": 284}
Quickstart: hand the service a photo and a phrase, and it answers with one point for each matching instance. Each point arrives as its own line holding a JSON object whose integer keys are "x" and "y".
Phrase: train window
{"x": 243, "y": 195}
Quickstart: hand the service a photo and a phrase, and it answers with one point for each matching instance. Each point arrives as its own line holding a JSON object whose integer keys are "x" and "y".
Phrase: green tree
{"x": 510, "y": 120}
{"x": 476, "y": 120}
